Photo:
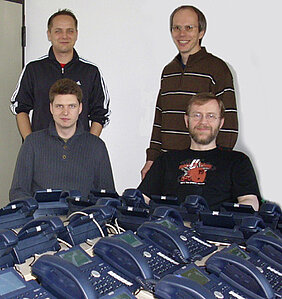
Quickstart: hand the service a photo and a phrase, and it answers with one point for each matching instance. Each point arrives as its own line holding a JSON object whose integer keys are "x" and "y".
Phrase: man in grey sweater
{"x": 63, "y": 156}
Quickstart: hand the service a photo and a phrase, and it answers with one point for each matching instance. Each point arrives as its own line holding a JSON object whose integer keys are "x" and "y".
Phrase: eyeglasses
{"x": 187, "y": 28}
{"x": 197, "y": 116}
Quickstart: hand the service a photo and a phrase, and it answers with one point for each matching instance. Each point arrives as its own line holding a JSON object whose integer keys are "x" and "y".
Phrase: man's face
{"x": 65, "y": 110}
{"x": 186, "y": 41}
{"x": 204, "y": 122}
{"x": 62, "y": 34}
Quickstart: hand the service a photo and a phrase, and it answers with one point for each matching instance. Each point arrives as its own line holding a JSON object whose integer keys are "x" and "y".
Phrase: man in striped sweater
{"x": 63, "y": 156}
{"x": 192, "y": 71}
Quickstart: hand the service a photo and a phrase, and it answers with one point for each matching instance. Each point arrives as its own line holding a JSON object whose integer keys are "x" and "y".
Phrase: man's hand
{"x": 23, "y": 123}
{"x": 146, "y": 168}
{"x": 250, "y": 199}
{"x": 96, "y": 129}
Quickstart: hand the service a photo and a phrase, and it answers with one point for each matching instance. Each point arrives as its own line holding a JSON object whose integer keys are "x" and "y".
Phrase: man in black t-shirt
{"x": 219, "y": 175}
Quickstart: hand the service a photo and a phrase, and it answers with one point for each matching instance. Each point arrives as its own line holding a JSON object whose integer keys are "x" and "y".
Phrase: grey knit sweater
{"x": 46, "y": 161}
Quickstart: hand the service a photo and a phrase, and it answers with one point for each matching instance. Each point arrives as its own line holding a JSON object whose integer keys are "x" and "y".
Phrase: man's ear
{"x": 51, "y": 108}
{"x": 48, "y": 35}
{"x": 80, "y": 108}
{"x": 186, "y": 120}
{"x": 221, "y": 122}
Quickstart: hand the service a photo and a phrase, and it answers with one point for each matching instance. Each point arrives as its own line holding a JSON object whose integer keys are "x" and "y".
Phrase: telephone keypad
{"x": 104, "y": 279}
{"x": 273, "y": 276}
{"x": 159, "y": 262}
{"x": 197, "y": 247}
{"x": 37, "y": 294}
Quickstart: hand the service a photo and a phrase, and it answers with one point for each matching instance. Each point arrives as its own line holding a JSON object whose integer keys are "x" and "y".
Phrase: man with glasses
{"x": 192, "y": 71}
{"x": 217, "y": 174}
{"x": 62, "y": 61}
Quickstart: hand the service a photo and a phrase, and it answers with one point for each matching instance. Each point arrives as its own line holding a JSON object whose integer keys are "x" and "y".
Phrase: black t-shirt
{"x": 218, "y": 175}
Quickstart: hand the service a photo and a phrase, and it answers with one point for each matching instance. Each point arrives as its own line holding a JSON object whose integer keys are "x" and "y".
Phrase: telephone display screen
{"x": 76, "y": 257}
{"x": 131, "y": 240}
{"x": 271, "y": 234}
{"x": 239, "y": 252}
{"x": 10, "y": 282}
{"x": 196, "y": 275}
{"x": 168, "y": 224}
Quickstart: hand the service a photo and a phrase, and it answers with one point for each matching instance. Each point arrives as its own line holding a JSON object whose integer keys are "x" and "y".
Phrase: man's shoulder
{"x": 89, "y": 138}
{"x": 231, "y": 153}
{"x": 216, "y": 61}
{"x": 172, "y": 66}
{"x": 36, "y": 137}
{"x": 39, "y": 60}
{"x": 87, "y": 63}
{"x": 174, "y": 154}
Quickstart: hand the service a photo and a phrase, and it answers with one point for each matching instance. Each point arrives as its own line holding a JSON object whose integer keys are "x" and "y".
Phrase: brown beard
{"x": 208, "y": 138}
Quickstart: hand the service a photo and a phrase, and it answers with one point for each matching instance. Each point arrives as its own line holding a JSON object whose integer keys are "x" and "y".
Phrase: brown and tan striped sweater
{"x": 202, "y": 73}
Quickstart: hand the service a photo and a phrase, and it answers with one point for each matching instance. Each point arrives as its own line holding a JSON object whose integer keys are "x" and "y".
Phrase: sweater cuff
{"x": 152, "y": 154}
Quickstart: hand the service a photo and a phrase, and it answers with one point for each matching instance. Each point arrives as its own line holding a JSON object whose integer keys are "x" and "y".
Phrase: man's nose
{"x": 64, "y": 34}
{"x": 65, "y": 110}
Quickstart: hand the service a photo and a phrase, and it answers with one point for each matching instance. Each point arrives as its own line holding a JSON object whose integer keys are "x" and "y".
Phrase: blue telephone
{"x": 169, "y": 233}
{"x": 239, "y": 211}
{"x": 53, "y": 202}
{"x": 62, "y": 279}
{"x": 133, "y": 210}
{"x": 188, "y": 283}
{"x": 221, "y": 227}
{"x": 89, "y": 223}
{"x": 193, "y": 205}
{"x": 271, "y": 272}
{"x": 224, "y": 277}
{"x": 265, "y": 252}
{"x": 37, "y": 236}
{"x": 94, "y": 195}
{"x": 17, "y": 213}
{"x": 8, "y": 240}
{"x": 271, "y": 214}
{"x": 138, "y": 259}
{"x": 232, "y": 267}
{"x": 12, "y": 286}
{"x": 103, "y": 277}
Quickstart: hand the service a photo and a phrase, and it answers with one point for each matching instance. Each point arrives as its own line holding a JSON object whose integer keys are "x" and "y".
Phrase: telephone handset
{"x": 169, "y": 233}
{"x": 193, "y": 205}
{"x": 163, "y": 234}
{"x": 241, "y": 274}
{"x": 37, "y": 236}
{"x": 268, "y": 246}
{"x": 134, "y": 198}
{"x": 17, "y": 212}
{"x": 8, "y": 240}
{"x": 103, "y": 277}
{"x": 62, "y": 279}
{"x": 53, "y": 202}
{"x": 89, "y": 223}
{"x": 134, "y": 257}
{"x": 272, "y": 271}
{"x": 95, "y": 195}
{"x": 179, "y": 287}
{"x": 270, "y": 212}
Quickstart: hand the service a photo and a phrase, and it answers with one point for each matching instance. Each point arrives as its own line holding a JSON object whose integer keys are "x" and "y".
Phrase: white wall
{"x": 130, "y": 41}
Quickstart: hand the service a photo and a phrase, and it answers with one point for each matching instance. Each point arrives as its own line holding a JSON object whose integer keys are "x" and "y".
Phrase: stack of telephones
{"x": 158, "y": 257}
{"x": 233, "y": 222}
{"x": 234, "y": 272}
